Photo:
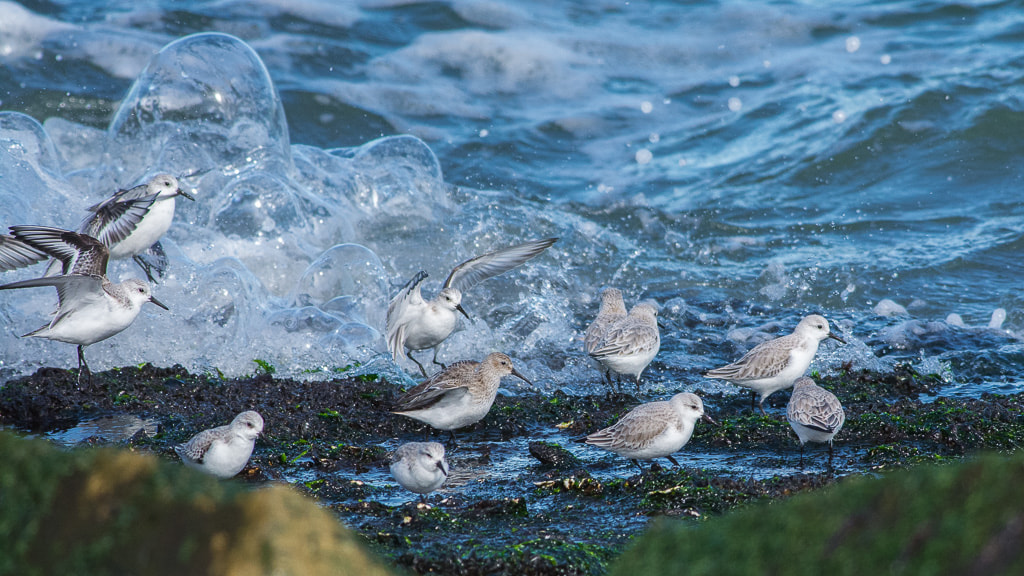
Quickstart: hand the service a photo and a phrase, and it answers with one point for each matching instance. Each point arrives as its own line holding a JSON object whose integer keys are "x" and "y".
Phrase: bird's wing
{"x": 79, "y": 253}
{"x": 627, "y": 338}
{"x": 112, "y": 221}
{"x": 765, "y": 360}
{"x": 448, "y": 381}
{"x": 16, "y": 254}
{"x": 408, "y": 298}
{"x": 818, "y": 409}
{"x": 122, "y": 195}
{"x": 195, "y": 449}
{"x": 74, "y": 292}
{"x": 476, "y": 270}
{"x": 637, "y": 428}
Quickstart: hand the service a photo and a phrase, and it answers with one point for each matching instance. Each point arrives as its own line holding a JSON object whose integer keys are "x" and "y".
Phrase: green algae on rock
{"x": 963, "y": 518}
{"x": 107, "y": 511}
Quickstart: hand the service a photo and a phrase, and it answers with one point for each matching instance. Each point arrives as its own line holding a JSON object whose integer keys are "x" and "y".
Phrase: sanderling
{"x": 417, "y": 324}
{"x": 611, "y": 311}
{"x": 223, "y": 451}
{"x": 90, "y": 307}
{"x": 629, "y": 345}
{"x": 774, "y": 365}
{"x": 459, "y": 395}
{"x": 814, "y": 413}
{"x": 653, "y": 430}
{"x": 132, "y": 221}
{"x": 419, "y": 467}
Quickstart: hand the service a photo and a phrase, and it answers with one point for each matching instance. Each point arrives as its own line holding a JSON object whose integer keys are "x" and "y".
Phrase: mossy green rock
{"x": 107, "y": 511}
{"x": 965, "y": 518}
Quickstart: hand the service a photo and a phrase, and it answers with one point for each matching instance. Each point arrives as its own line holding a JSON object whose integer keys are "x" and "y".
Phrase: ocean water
{"x": 742, "y": 163}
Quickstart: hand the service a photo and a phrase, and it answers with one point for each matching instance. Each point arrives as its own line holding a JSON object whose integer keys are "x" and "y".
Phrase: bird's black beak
{"x": 440, "y": 465}
{"x": 833, "y": 336}
{"x": 158, "y": 303}
{"x": 521, "y": 377}
{"x": 185, "y": 194}
{"x": 463, "y": 310}
{"x": 709, "y": 419}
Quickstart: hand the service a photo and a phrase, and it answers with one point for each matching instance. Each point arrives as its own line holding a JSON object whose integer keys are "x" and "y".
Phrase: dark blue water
{"x": 742, "y": 163}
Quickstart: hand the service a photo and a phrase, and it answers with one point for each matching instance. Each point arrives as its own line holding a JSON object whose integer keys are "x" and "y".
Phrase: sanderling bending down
{"x": 611, "y": 311}
{"x": 814, "y": 413}
{"x": 629, "y": 345}
{"x": 90, "y": 307}
{"x": 459, "y": 395}
{"x": 417, "y": 324}
{"x": 774, "y": 365}
{"x": 653, "y": 430}
{"x": 419, "y": 467}
{"x": 223, "y": 451}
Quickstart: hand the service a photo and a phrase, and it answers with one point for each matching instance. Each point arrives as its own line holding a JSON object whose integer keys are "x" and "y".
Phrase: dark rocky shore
{"x": 546, "y": 511}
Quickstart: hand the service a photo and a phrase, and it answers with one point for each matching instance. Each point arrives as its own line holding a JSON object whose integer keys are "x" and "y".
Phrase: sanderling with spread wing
{"x": 223, "y": 451}
{"x": 612, "y": 309}
{"x": 459, "y": 395}
{"x": 653, "y": 430}
{"x": 131, "y": 222}
{"x": 90, "y": 307}
{"x": 774, "y": 365}
{"x": 417, "y": 324}
{"x": 419, "y": 467}
{"x": 815, "y": 414}
{"x": 629, "y": 345}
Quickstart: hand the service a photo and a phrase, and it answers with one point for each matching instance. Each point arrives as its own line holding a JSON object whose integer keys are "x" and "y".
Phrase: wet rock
{"x": 553, "y": 455}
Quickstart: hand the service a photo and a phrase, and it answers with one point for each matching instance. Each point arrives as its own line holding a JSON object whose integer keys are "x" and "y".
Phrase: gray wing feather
{"x": 638, "y": 427}
{"x": 113, "y": 221}
{"x": 763, "y": 361}
{"x": 16, "y": 254}
{"x": 816, "y": 408}
{"x": 476, "y": 270}
{"x": 437, "y": 386}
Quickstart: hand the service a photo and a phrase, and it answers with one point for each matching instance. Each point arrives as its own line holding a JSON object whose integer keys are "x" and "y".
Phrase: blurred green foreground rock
{"x": 108, "y": 511}
{"x": 965, "y": 518}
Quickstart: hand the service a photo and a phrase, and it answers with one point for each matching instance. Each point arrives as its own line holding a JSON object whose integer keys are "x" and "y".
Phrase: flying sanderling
{"x": 629, "y": 345}
{"x": 814, "y": 413}
{"x": 90, "y": 307}
{"x": 417, "y": 324}
{"x": 774, "y": 365}
{"x": 459, "y": 395}
{"x": 653, "y": 430}
{"x": 131, "y": 222}
{"x": 223, "y": 451}
{"x": 419, "y": 467}
{"x": 612, "y": 309}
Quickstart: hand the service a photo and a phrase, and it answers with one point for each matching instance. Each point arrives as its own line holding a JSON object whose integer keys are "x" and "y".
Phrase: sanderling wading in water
{"x": 459, "y": 395}
{"x": 419, "y": 467}
{"x": 612, "y": 309}
{"x": 90, "y": 307}
{"x": 417, "y": 324}
{"x": 774, "y": 365}
{"x": 815, "y": 414}
{"x": 223, "y": 451}
{"x": 653, "y": 430}
{"x": 629, "y": 345}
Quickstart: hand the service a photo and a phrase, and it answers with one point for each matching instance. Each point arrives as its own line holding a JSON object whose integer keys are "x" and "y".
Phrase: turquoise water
{"x": 742, "y": 163}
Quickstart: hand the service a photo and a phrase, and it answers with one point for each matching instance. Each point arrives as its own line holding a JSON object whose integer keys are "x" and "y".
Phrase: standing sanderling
{"x": 419, "y": 467}
{"x": 653, "y": 430}
{"x": 417, "y": 324}
{"x": 90, "y": 307}
{"x": 612, "y": 309}
{"x": 459, "y": 395}
{"x": 132, "y": 221}
{"x": 629, "y": 345}
{"x": 814, "y": 413}
{"x": 774, "y": 365}
{"x": 223, "y": 451}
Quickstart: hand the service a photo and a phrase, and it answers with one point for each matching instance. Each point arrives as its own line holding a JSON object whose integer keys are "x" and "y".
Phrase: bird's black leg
{"x": 83, "y": 366}
{"x": 422, "y": 369}
{"x": 443, "y": 367}
{"x": 673, "y": 460}
{"x": 145, "y": 268}
{"x": 637, "y": 464}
